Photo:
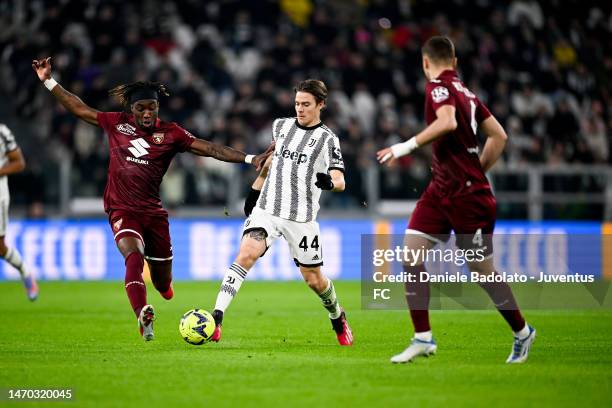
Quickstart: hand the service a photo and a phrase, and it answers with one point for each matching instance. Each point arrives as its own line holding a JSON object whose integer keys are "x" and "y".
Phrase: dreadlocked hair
{"x": 122, "y": 92}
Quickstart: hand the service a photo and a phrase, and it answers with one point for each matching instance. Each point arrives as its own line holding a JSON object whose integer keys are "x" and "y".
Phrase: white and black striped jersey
{"x": 300, "y": 153}
{"x": 7, "y": 144}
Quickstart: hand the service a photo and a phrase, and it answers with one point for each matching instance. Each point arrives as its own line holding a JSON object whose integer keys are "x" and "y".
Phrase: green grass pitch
{"x": 278, "y": 349}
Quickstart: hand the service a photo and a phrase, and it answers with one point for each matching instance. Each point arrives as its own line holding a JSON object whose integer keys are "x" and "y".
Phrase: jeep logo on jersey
{"x": 439, "y": 94}
{"x": 126, "y": 129}
{"x": 140, "y": 147}
{"x": 158, "y": 138}
{"x": 294, "y": 156}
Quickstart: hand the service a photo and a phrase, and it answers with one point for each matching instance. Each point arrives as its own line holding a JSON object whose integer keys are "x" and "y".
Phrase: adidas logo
{"x": 315, "y": 258}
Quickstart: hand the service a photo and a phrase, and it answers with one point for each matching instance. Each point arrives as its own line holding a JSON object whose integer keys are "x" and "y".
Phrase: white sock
{"x": 230, "y": 286}
{"x": 523, "y": 333}
{"x": 330, "y": 301}
{"x": 423, "y": 336}
{"x": 13, "y": 257}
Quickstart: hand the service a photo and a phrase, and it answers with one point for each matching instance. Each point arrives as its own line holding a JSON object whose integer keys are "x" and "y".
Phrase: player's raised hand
{"x": 42, "y": 68}
{"x": 385, "y": 156}
{"x": 260, "y": 159}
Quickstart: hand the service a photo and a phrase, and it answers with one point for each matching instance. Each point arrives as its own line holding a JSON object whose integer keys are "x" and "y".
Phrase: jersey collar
{"x": 308, "y": 127}
{"x": 447, "y": 73}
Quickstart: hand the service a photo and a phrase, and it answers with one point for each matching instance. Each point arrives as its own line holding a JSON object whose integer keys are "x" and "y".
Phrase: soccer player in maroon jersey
{"x": 141, "y": 149}
{"x": 458, "y": 197}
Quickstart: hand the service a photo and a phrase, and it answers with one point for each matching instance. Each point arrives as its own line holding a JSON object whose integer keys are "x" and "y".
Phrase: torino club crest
{"x": 158, "y": 138}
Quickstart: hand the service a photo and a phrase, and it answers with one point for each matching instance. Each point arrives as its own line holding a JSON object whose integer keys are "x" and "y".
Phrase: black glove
{"x": 324, "y": 181}
{"x": 250, "y": 201}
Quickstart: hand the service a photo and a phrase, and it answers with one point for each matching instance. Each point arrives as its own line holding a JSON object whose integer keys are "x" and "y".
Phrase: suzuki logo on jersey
{"x": 297, "y": 157}
{"x": 140, "y": 147}
{"x": 126, "y": 129}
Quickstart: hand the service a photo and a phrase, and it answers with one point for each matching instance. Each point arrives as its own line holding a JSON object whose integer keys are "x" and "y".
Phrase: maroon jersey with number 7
{"x": 456, "y": 165}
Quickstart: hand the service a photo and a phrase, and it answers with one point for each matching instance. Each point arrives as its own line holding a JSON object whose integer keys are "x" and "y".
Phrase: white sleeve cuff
{"x": 402, "y": 149}
{"x": 50, "y": 83}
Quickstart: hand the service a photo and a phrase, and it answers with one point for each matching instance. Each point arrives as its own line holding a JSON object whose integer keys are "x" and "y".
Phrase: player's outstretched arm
{"x": 227, "y": 154}
{"x": 496, "y": 141}
{"x": 71, "y": 102}
{"x": 445, "y": 122}
{"x": 15, "y": 163}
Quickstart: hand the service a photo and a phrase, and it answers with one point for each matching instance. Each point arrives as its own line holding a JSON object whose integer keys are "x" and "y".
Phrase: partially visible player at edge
{"x": 11, "y": 162}
{"x": 458, "y": 197}
{"x": 141, "y": 149}
{"x": 307, "y": 160}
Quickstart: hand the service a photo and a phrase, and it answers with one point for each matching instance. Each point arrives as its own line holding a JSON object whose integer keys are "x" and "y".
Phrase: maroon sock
{"x": 134, "y": 284}
{"x": 501, "y": 295}
{"x": 417, "y": 296}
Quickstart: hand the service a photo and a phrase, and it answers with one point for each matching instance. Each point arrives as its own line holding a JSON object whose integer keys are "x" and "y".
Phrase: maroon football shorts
{"x": 471, "y": 216}
{"x": 152, "y": 229}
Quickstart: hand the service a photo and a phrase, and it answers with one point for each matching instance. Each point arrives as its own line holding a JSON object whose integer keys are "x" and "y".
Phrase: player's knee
{"x": 129, "y": 246}
{"x": 314, "y": 279}
{"x": 134, "y": 256}
{"x": 247, "y": 257}
{"x": 252, "y": 247}
{"x": 314, "y": 283}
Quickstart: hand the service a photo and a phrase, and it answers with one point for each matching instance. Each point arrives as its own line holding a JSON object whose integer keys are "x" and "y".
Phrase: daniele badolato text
{"x": 476, "y": 277}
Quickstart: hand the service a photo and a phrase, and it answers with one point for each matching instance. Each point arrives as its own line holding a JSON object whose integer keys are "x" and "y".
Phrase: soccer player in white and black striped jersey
{"x": 285, "y": 202}
{"x": 11, "y": 162}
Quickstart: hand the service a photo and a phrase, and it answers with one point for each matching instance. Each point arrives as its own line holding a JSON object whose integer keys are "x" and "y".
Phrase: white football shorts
{"x": 304, "y": 238}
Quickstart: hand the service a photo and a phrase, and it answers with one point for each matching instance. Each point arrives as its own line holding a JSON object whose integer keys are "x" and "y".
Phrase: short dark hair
{"x": 440, "y": 49}
{"x": 313, "y": 86}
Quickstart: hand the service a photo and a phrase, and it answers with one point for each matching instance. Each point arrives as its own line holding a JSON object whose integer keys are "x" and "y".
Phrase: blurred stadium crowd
{"x": 543, "y": 68}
